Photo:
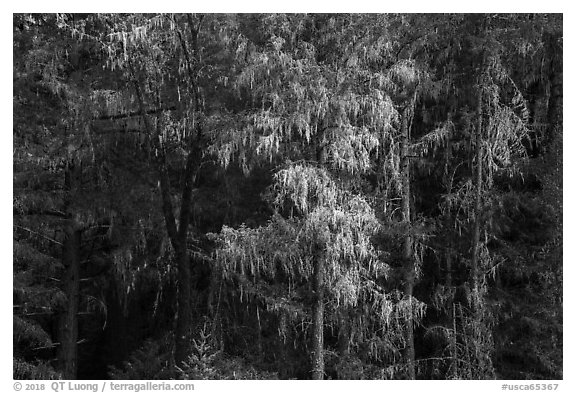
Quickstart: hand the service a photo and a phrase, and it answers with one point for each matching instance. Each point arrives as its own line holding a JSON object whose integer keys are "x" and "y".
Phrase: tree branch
{"x": 40, "y": 212}
{"x": 38, "y": 234}
{"x": 136, "y": 113}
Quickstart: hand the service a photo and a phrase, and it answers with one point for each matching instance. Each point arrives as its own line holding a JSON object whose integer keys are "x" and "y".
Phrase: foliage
{"x": 151, "y": 361}
{"x": 23, "y": 370}
{"x": 288, "y": 182}
{"x": 207, "y": 363}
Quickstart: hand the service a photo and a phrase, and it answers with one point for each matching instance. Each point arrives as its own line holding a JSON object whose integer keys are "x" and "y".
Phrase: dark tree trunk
{"x": 68, "y": 350}
{"x": 318, "y": 302}
{"x": 183, "y": 324}
{"x": 178, "y": 234}
{"x": 554, "y": 148}
{"x": 555, "y": 101}
{"x": 448, "y": 281}
{"x": 283, "y": 339}
{"x": 68, "y": 323}
{"x": 407, "y": 244}
{"x": 477, "y": 206}
{"x": 449, "y": 250}
{"x": 449, "y": 219}
{"x": 318, "y": 320}
{"x": 183, "y": 319}
{"x": 344, "y": 335}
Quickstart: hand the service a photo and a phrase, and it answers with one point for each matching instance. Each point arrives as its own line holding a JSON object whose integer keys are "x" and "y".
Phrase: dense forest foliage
{"x": 365, "y": 196}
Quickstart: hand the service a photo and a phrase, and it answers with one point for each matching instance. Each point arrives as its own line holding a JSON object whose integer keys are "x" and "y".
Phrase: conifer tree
{"x": 334, "y": 102}
{"x": 384, "y": 192}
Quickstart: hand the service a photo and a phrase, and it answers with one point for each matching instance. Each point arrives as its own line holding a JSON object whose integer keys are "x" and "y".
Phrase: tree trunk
{"x": 555, "y": 101}
{"x": 318, "y": 320}
{"x": 554, "y": 148}
{"x": 344, "y": 334}
{"x": 182, "y": 340}
{"x": 447, "y": 179}
{"x": 183, "y": 324}
{"x": 477, "y": 206}
{"x": 68, "y": 324}
{"x": 283, "y": 340}
{"x": 68, "y": 350}
{"x": 407, "y": 246}
{"x": 178, "y": 234}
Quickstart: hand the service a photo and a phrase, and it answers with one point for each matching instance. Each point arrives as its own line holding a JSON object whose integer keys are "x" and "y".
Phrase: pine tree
{"x": 337, "y": 111}
{"x": 383, "y": 192}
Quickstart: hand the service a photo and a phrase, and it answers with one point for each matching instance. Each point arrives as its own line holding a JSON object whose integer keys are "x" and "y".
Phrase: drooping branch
{"x": 44, "y": 212}
{"x": 138, "y": 113}
{"x": 38, "y": 234}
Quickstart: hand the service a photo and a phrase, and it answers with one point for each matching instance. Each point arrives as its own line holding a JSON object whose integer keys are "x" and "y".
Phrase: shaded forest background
{"x": 366, "y": 196}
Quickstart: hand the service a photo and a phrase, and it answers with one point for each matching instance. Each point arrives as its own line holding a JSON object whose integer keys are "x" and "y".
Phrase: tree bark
{"x": 283, "y": 339}
{"x": 183, "y": 324}
{"x": 407, "y": 244}
{"x": 68, "y": 323}
{"x": 555, "y": 102}
{"x": 477, "y": 206}
{"x": 554, "y": 149}
{"x": 449, "y": 219}
{"x": 183, "y": 319}
{"x": 318, "y": 320}
{"x": 68, "y": 350}
{"x": 178, "y": 233}
{"x": 344, "y": 334}
{"x": 318, "y": 302}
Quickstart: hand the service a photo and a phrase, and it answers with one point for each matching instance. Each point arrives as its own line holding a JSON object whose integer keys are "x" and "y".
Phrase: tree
{"x": 50, "y": 146}
{"x": 333, "y": 102}
{"x": 65, "y": 191}
{"x": 302, "y": 196}
{"x": 171, "y": 63}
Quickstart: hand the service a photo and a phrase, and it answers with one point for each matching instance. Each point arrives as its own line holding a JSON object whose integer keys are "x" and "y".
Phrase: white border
{"x": 301, "y": 6}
